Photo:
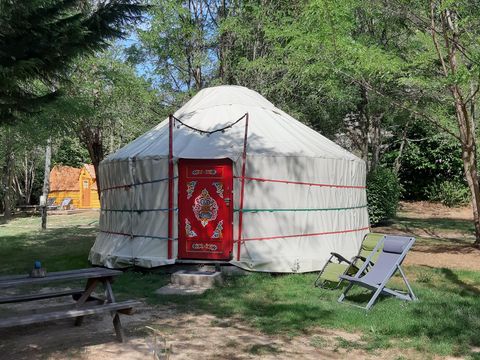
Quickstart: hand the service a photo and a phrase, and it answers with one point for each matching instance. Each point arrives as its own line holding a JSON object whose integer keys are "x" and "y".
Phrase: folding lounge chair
{"x": 394, "y": 250}
{"x": 329, "y": 276}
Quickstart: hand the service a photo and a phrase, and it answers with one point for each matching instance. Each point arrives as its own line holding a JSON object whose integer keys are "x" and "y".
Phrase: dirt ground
{"x": 457, "y": 256}
{"x": 182, "y": 336}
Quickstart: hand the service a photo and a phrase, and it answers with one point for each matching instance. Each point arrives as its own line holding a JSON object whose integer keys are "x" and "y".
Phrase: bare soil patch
{"x": 450, "y": 247}
{"x": 426, "y": 210}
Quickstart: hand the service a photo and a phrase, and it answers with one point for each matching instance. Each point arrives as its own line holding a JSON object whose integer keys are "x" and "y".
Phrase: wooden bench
{"x": 86, "y": 303}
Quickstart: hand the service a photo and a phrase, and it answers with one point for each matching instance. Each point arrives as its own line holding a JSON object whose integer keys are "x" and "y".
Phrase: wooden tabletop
{"x": 90, "y": 273}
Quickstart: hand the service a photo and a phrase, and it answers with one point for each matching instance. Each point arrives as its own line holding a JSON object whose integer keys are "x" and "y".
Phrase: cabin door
{"x": 205, "y": 209}
{"x": 85, "y": 192}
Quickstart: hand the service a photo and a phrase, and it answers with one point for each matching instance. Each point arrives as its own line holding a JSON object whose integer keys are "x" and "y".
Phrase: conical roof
{"x": 271, "y": 131}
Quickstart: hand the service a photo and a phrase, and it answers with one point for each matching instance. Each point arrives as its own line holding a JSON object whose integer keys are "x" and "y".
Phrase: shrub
{"x": 449, "y": 193}
{"x": 383, "y": 194}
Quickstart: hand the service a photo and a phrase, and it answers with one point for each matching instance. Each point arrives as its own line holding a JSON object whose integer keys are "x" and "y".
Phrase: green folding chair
{"x": 337, "y": 265}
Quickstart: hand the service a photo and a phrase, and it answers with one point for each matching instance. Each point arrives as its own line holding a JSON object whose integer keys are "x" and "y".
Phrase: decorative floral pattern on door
{"x": 188, "y": 229}
{"x": 217, "y": 234}
{"x": 190, "y": 188}
{"x": 205, "y": 208}
{"x": 219, "y": 188}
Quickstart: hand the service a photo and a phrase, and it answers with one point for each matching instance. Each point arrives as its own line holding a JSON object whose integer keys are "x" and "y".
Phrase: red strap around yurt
{"x": 304, "y": 235}
{"x": 302, "y": 183}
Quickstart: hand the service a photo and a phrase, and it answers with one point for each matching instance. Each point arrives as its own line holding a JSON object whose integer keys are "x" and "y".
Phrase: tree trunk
{"x": 93, "y": 140}
{"x": 364, "y": 124}
{"x": 46, "y": 181}
{"x": 471, "y": 174}
{"x": 8, "y": 170}
{"x": 398, "y": 160}
{"x": 466, "y": 126}
{"x": 376, "y": 143}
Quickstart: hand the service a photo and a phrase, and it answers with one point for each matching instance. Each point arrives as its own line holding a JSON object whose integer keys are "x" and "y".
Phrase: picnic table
{"x": 86, "y": 302}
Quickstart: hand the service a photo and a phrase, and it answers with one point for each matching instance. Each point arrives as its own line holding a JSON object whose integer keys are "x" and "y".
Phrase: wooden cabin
{"x": 74, "y": 183}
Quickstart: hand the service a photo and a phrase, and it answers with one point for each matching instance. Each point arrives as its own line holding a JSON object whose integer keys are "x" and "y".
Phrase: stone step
{"x": 205, "y": 279}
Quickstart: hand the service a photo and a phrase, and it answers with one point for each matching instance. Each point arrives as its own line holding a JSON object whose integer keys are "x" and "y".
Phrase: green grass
{"x": 63, "y": 246}
{"x": 435, "y": 227}
{"x": 445, "y": 321}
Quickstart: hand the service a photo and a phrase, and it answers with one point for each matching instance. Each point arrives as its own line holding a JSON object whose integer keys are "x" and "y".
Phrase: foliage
{"x": 40, "y": 39}
{"x": 70, "y": 152}
{"x": 450, "y": 193}
{"x": 429, "y": 158}
{"x": 105, "y": 105}
{"x": 177, "y": 47}
{"x": 383, "y": 194}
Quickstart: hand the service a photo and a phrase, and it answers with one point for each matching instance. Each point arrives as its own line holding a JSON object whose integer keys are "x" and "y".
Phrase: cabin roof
{"x": 64, "y": 178}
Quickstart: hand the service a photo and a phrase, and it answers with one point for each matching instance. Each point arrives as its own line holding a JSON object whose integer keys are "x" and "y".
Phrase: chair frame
{"x": 381, "y": 289}
{"x": 352, "y": 263}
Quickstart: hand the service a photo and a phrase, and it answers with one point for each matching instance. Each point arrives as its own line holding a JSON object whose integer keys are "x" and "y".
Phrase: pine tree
{"x": 39, "y": 39}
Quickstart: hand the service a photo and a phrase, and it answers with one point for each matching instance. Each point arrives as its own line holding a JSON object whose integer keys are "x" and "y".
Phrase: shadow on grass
{"x": 433, "y": 225}
{"x": 439, "y": 248}
{"x": 58, "y": 249}
{"x": 465, "y": 288}
{"x": 445, "y": 320}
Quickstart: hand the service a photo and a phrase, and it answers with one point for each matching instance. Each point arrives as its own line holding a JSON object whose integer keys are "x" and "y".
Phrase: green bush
{"x": 383, "y": 194}
{"x": 449, "y": 193}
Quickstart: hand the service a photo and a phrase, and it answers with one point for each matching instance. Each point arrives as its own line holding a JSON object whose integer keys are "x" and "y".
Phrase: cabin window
{"x": 85, "y": 184}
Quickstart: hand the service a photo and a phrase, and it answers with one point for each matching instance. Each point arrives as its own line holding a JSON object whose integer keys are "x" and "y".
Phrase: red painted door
{"x": 205, "y": 209}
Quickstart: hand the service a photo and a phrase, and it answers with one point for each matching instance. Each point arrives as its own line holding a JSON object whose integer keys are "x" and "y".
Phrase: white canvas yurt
{"x": 230, "y": 178}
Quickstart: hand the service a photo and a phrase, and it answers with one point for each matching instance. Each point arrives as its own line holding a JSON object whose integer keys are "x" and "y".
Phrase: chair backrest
{"x": 394, "y": 250}
{"x": 66, "y": 201}
{"x": 369, "y": 242}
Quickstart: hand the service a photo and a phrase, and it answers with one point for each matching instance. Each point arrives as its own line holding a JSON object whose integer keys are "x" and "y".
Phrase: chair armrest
{"x": 364, "y": 259}
{"x": 341, "y": 258}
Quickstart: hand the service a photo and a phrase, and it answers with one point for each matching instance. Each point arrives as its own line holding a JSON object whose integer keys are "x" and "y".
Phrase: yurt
{"x": 230, "y": 178}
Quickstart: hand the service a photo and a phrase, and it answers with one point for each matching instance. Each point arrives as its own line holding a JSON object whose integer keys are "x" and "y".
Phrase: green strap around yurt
{"x": 318, "y": 209}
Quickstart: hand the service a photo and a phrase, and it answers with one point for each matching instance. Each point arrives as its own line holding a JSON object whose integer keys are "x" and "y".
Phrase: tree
{"x": 179, "y": 45}
{"x": 40, "y": 39}
{"x": 106, "y": 105}
{"x": 456, "y": 24}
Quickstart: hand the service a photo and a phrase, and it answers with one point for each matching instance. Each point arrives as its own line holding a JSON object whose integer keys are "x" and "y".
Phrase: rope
{"x": 133, "y": 236}
{"x": 303, "y": 235}
{"x": 302, "y": 183}
{"x": 320, "y": 209}
{"x": 136, "y": 184}
{"x": 137, "y": 210}
{"x": 212, "y": 131}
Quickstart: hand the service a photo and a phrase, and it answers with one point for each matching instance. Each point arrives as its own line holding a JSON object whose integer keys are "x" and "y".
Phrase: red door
{"x": 205, "y": 209}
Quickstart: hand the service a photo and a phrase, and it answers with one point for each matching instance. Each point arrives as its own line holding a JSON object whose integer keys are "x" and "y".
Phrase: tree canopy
{"x": 39, "y": 40}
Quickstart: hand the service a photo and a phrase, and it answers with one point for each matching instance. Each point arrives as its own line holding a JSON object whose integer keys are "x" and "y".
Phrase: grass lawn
{"x": 446, "y": 320}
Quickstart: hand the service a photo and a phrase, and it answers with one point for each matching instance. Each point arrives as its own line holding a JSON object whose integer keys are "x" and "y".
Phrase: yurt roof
{"x": 271, "y": 131}
{"x": 64, "y": 178}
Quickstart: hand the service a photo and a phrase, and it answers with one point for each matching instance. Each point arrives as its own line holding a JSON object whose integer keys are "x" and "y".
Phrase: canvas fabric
{"x": 279, "y": 147}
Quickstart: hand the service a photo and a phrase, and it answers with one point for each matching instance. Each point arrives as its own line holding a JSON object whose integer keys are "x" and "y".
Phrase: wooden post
{"x": 46, "y": 181}
{"x": 170, "y": 186}
{"x": 242, "y": 188}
